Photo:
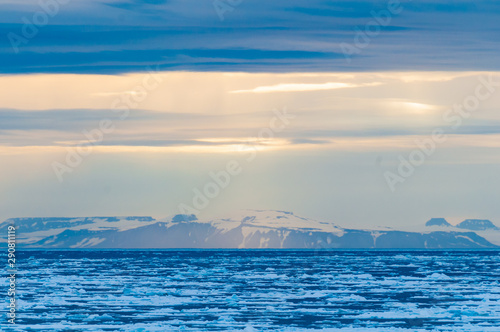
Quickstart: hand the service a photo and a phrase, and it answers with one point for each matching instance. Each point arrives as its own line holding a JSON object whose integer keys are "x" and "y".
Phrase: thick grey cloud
{"x": 271, "y": 36}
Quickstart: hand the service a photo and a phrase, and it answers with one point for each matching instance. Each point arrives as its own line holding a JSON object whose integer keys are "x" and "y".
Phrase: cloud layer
{"x": 106, "y": 36}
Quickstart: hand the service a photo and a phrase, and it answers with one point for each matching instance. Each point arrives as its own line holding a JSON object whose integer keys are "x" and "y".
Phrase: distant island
{"x": 246, "y": 229}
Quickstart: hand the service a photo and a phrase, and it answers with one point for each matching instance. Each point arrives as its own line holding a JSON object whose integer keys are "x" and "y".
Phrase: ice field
{"x": 258, "y": 290}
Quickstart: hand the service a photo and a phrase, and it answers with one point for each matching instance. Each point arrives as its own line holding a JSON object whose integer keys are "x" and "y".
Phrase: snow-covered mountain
{"x": 245, "y": 229}
{"x": 484, "y": 228}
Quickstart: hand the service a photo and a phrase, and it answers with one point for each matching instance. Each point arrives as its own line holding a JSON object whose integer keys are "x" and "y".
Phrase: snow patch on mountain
{"x": 271, "y": 219}
{"x": 30, "y": 230}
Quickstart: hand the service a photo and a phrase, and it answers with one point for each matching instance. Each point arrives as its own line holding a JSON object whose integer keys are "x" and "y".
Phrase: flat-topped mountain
{"x": 438, "y": 222}
{"x": 244, "y": 229}
{"x": 477, "y": 225}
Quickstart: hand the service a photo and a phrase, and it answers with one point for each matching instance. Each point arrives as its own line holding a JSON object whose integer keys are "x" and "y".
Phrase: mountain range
{"x": 244, "y": 229}
{"x": 470, "y": 224}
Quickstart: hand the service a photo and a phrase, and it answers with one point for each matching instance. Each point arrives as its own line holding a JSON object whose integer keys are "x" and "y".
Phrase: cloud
{"x": 293, "y": 36}
{"x": 296, "y": 87}
{"x": 219, "y": 132}
{"x": 201, "y": 110}
{"x": 363, "y": 94}
{"x": 310, "y": 141}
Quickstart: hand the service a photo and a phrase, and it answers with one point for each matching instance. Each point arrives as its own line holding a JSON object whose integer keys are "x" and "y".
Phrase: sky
{"x": 363, "y": 113}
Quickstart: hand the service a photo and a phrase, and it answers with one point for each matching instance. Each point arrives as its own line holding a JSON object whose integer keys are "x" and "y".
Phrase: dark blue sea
{"x": 257, "y": 290}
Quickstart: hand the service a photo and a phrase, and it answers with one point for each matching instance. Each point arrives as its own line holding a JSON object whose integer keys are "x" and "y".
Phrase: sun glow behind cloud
{"x": 195, "y": 92}
{"x": 297, "y": 87}
{"x": 416, "y": 108}
{"x": 200, "y": 112}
